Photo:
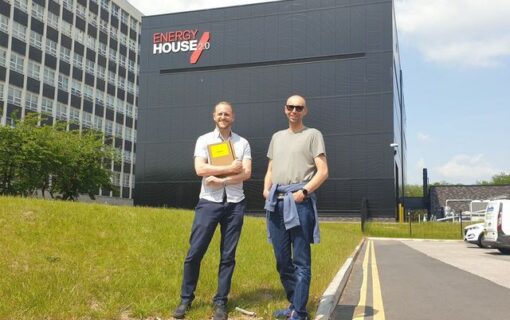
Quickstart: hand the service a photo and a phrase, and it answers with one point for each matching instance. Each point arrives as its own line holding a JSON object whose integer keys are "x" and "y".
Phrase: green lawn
{"x": 422, "y": 230}
{"x": 72, "y": 260}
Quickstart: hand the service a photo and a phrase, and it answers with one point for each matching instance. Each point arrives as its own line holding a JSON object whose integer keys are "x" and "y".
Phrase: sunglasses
{"x": 297, "y": 108}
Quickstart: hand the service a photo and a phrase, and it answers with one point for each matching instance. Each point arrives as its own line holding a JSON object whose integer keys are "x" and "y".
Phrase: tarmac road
{"x": 412, "y": 280}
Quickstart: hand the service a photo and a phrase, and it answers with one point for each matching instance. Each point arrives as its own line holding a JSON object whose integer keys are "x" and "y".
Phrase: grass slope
{"x": 74, "y": 261}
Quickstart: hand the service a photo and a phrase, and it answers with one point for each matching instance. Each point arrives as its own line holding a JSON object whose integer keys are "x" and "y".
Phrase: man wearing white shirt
{"x": 221, "y": 202}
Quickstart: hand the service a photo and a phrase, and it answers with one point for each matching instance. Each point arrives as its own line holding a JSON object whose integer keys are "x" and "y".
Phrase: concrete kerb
{"x": 332, "y": 294}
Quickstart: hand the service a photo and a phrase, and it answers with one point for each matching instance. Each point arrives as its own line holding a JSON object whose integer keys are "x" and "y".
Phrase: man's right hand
{"x": 236, "y": 166}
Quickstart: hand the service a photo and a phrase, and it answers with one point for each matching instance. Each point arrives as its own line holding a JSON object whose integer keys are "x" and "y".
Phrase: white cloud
{"x": 466, "y": 169}
{"x": 420, "y": 164}
{"x": 423, "y": 137}
{"x": 459, "y": 32}
{"x": 153, "y": 7}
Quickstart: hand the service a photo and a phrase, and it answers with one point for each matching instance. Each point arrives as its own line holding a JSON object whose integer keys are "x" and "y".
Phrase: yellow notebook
{"x": 221, "y": 154}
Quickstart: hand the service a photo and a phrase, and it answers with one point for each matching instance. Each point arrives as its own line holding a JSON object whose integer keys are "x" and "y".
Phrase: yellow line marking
{"x": 378, "y": 305}
{"x": 359, "y": 311}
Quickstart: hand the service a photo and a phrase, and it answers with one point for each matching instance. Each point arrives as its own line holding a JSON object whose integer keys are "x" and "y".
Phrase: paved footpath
{"x": 414, "y": 280}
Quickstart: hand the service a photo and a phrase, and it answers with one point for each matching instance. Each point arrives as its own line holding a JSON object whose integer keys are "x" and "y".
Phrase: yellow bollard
{"x": 400, "y": 213}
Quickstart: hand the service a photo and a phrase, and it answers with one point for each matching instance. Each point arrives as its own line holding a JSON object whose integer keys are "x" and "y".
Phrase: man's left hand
{"x": 214, "y": 181}
{"x": 298, "y": 196}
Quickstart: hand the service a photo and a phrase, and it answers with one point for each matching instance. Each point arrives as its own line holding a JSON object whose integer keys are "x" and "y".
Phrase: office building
{"x": 75, "y": 61}
{"x": 342, "y": 55}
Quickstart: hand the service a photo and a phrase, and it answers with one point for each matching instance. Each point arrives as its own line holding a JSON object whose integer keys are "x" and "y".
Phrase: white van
{"x": 497, "y": 224}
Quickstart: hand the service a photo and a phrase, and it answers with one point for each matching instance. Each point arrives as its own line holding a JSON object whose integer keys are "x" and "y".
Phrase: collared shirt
{"x": 242, "y": 149}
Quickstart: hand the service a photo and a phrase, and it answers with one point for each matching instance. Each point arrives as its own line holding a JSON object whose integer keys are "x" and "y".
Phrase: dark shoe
{"x": 220, "y": 312}
{"x": 295, "y": 316}
{"x": 282, "y": 313}
{"x": 180, "y": 311}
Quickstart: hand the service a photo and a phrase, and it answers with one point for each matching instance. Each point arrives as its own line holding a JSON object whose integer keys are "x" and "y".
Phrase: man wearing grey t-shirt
{"x": 297, "y": 167}
{"x": 221, "y": 202}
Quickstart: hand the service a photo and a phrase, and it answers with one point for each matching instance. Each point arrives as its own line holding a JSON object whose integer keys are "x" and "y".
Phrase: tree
{"x": 66, "y": 163}
{"x": 501, "y": 178}
{"x": 82, "y": 170}
{"x": 414, "y": 190}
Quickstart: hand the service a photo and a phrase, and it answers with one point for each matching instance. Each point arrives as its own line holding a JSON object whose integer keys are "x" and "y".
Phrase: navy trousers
{"x": 208, "y": 215}
{"x": 293, "y": 253}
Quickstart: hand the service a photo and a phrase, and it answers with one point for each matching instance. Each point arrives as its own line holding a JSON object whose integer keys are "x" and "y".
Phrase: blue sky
{"x": 455, "y": 57}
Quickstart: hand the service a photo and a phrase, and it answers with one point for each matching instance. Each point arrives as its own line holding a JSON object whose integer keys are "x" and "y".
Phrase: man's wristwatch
{"x": 305, "y": 192}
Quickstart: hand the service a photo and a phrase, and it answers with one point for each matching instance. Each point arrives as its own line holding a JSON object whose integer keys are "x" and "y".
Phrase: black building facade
{"x": 342, "y": 56}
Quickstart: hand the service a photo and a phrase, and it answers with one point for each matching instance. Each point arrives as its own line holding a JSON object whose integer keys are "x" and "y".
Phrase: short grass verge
{"x": 422, "y": 230}
{"x": 73, "y": 260}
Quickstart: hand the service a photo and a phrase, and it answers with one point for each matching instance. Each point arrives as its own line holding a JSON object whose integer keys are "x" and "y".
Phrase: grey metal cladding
{"x": 338, "y": 54}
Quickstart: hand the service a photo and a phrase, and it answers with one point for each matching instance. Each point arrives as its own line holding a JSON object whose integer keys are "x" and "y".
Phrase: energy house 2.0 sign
{"x": 181, "y": 41}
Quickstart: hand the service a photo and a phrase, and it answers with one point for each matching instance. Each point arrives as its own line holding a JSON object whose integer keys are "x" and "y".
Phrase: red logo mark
{"x": 202, "y": 44}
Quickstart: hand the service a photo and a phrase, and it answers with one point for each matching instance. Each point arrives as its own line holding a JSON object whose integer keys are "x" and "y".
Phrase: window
{"x": 63, "y": 82}
{"x": 102, "y": 48}
{"x": 127, "y": 154}
{"x": 87, "y": 119}
{"x": 124, "y": 16}
{"x": 81, "y": 11}
{"x": 22, "y": 4}
{"x": 37, "y": 11}
{"x": 129, "y": 134}
{"x": 113, "y": 55}
{"x": 47, "y": 106}
{"x": 108, "y": 128}
{"x": 115, "y": 10}
{"x": 133, "y": 23}
{"x": 118, "y": 130}
{"x": 121, "y": 108}
{"x": 67, "y": 28}
{"x": 123, "y": 38}
{"x": 125, "y": 179}
{"x": 110, "y": 102}
{"x": 77, "y": 60}
{"x": 19, "y": 30}
{"x": 91, "y": 42}
{"x": 111, "y": 77}
{"x": 1, "y": 92}
{"x": 88, "y": 92}
{"x": 4, "y": 23}
{"x": 17, "y": 62}
{"x": 92, "y": 18}
{"x": 76, "y": 88}
{"x": 89, "y": 66}
{"x": 68, "y": 4}
{"x": 101, "y": 72}
{"x": 79, "y": 35}
{"x": 98, "y": 123}
{"x": 14, "y": 96}
{"x": 116, "y": 178}
{"x": 103, "y": 25}
{"x": 99, "y": 99}
{"x": 129, "y": 110}
{"x": 134, "y": 136}
{"x": 3, "y": 57}
{"x": 34, "y": 70}
{"x": 31, "y": 101}
{"x": 51, "y": 47}
{"x": 52, "y": 20}
{"x": 49, "y": 76}
{"x": 36, "y": 39}
{"x": 122, "y": 60}
{"x": 74, "y": 114}
{"x": 132, "y": 44}
{"x": 65, "y": 54}
{"x": 105, "y": 4}
{"x": 120, "y": 83}
{"x": 131, "y": 65}
{"x": 113, "y": 32}
{"x": 62, "y": 111}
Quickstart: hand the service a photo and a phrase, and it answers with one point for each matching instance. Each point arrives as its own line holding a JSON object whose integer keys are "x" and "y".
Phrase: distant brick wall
{"x": 439, "y": 195}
